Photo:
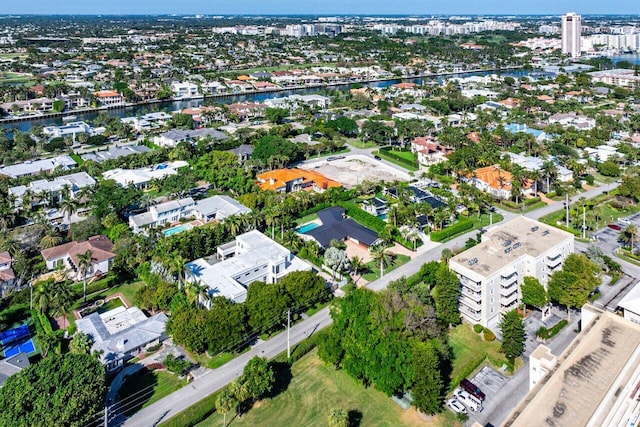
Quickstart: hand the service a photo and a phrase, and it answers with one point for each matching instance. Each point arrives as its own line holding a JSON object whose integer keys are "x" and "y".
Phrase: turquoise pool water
{"x": 303, "y": 229}
{"x": 383, "y": 216}
{"x": 177, "y": 229}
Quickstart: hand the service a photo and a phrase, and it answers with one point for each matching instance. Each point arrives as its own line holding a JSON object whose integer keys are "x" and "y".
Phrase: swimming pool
{"x": 303, "y": 229}
{"x": 177, "y": 229}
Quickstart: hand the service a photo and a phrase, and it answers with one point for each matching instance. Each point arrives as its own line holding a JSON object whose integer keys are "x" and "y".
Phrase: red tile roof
{"x": 100, "y": 247}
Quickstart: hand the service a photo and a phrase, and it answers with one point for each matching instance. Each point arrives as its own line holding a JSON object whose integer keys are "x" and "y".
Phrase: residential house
{"x": 140, "y": 178}
{"x": 530, "y": 163}
{"x": 109, "y": 97}
{"x": 114, "y": 153}
{"x": 375, "y": 206}
{"x": 429, "y": 151}
{"x": 292, "y": 180}
{"x": 602, "y": 153}
{"x": 251, "y": 257}
{"x": 120, "y": 334}
{"x": 37, "y": 167}
{"x": 336, "y": 226}
{"x": 185, "y": 90}
{"x": 243, "y": 152}
{"x": 7, "y": 276}
{"x": 66, "y": 256}
{"x": 52, "y": 191}
{"x": 492, "y": 272}
{"x": 175, "y": 136}
{"x": 495, "y": 181}
{"x": 416, "y": 195}
{"x": 578, "y": 121}
{"x": 247, "y": 110}
{"x": 12, "y": 365}
{"x": 72, "y": 129}
{"x": 215, "y": 208}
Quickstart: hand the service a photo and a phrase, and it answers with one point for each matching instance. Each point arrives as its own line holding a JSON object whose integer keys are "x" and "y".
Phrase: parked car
{"x": 456, "y": 406}
{"x": 614, "y": 227}
{"x": 472, "y": 389}
{"x": 377, "y": 157}
{"x": 624, "y": 221}
{"x": 468, "y": 400}
{"x": 331, "y": 159}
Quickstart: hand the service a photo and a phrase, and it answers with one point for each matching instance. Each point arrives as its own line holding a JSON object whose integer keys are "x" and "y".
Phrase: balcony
{"x": 474, "y": 286}
{"x": 509, "y": 306}
{"x": 509, "y": 276}
{"x": 554, "y": 257}
{"x": 473, "y": 314}
{"x": 476, "y": 296}
{"x": 510, "y": 299}
{"x": 553, "y": 264}
{"x": 469, "y": 303}
{"x": 506, "y": 291}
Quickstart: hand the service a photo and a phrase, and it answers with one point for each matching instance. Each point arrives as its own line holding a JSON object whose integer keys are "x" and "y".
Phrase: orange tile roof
{"x": 106, "y": 93}
{"x": 278, "y": 178}
{"x": 491, "y": 176}
{"x": 405, "y": 85}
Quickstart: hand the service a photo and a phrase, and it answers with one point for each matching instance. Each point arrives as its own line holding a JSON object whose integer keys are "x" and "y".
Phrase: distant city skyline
{"x": 320, "y": 7}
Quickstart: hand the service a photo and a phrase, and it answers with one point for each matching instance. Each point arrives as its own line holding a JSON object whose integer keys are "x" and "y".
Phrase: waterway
{"x": 132, "y": 111}
{"x": 634, "y": 58}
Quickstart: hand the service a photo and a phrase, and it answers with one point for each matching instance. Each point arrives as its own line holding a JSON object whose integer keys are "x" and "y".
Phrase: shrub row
{"x": 551, "y": 332}
{"x": 314, "y": 209}
{"x": 460, "y": 226}
{"x": 96, "y": 286}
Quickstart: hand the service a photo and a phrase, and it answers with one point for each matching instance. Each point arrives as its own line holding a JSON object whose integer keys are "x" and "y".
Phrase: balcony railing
{"x": 475, "y": 286}
{"x": 475, "y": 315}
{"x": 476, "y": 296}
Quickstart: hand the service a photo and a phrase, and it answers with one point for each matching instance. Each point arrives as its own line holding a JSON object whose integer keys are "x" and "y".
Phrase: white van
{"x": 624, "y": 221}
{"x": 468, "y": 400}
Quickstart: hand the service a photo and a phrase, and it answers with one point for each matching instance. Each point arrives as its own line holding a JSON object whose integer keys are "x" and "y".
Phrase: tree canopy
{"x": 533, "y": 293}
{"x": 66, "y": 390}
{"x": 513, "y": 334}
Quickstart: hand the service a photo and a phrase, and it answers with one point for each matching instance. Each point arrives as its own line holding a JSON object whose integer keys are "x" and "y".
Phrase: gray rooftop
{"x": 33, "y": 167}
{"x": 221, "y": 207}
{"x": 115, "y": 152}
{"x": 504, "y": 244}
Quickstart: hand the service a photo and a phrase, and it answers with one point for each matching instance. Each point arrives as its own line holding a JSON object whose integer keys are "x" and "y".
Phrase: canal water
{"x": 169, "y": 106}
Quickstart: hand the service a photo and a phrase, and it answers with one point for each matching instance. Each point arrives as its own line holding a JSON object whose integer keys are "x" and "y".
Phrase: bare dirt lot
{"x": 354, "y": 169}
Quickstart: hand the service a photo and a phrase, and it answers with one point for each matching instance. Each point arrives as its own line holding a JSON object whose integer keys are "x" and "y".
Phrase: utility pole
{"x": 566, "y": 207}
{"x": 288, "y": 334}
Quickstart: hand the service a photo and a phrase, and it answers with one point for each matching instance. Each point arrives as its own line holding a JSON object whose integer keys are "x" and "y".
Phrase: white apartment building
{"x": 251, "y": 257}
{"x": 571, "y": 30}
{"x": 491, "y": 272}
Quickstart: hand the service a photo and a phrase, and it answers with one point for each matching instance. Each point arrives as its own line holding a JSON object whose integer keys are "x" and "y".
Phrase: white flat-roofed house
{"x": 185, "y": 90}
{"x": 161, "y": 214}
{"x": 66, "y": 256}
{"x": 140, "y": 178}
{"x": 491, "y": 272}
{"x": 602, "y": 153}
{"x": 578, "y": 121}
{"x": 214, "y": 208}
{"x": 251, "y": 257}
{"x": 630, "y": 304}
{"x": 36, "y": 167}
{"x": 52, "y": 191}
{"x": 174, "y": 137}
{"x": 72, "y": 129}
{"x": 120, "y": 334}
{"x": 531, "y": 163}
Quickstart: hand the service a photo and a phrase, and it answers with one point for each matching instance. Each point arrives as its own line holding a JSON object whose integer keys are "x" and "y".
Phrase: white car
{"x": 456, "y": 406}
{"x": 468, "y": 400}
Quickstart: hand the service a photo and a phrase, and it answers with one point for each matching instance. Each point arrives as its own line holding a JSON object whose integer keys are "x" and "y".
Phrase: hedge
{"x": 364, "y": 218}
{"x": 314, "y": 209}
{"x": 460, "y": 226}
{"x": 551, "y": 332}
{"x": 96, "y": 286}
{"x": 477, "y": 328}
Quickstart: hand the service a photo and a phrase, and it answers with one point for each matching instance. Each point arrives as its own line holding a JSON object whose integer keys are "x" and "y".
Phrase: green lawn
{"x": 374, "y": 268}
{"x": 128, "y": 290}
{"x": 110, "y": 305}
{"x": 15, "y": 78}
{"x": 149, "y": 387}
{"x": 212, "y": 362}
{"x": 470, "y": 351}
{"x": 483, "y": 221}
{"x": 395, "y": 161}
{"x": 306, "y": 218}
{"x": 358, "y": 143}
{"x": 313, "y": 391}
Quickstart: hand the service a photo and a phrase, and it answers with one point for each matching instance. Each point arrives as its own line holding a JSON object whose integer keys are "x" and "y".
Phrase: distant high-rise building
{"x": 571, "y": 30}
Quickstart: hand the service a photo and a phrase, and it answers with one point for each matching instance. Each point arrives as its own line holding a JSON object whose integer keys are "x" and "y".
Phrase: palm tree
{"x": 196, "y": 292}
{"x": 234, "y": 224}
{"x": 380, "y": 255}
{"x": 61, "y": 301}
{"x": 178, "y": 266}
{"x": 44, "y": 295}
{"x": 85, "y": 261}
{"x": 50, "y": 240}
{"x": 356, "y": 264}
{"x": 629, "y": 235}
{"x": 68, "y": 207}
{"x": 548, "y": 169}
{"x": 225, "y": 403}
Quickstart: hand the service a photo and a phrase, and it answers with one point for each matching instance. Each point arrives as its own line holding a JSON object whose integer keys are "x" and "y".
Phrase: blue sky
{"x": 423, "y": 7}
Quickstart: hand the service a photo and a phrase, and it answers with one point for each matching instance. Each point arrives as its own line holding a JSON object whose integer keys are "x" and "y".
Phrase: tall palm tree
{"x": 356, "y": 264}
{"x": 50, "y": 240}
{"x": 381, "y": 256}
{"x": 62, "y": 300}
{"x": 85, "y": 261}
{"x": 68, "y": 207}
{"x": 629, "y": 235}
{"x": 178, "y": 266}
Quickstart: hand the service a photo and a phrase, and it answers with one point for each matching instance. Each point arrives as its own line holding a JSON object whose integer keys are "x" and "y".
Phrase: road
{"x": 218, "y": 378}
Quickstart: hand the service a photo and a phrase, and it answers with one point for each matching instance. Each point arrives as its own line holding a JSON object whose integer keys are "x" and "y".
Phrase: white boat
{"x": 69, "y": 118}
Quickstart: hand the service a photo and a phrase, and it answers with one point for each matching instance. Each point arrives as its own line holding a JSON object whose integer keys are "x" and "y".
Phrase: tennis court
{"x": 17, "y": 340}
